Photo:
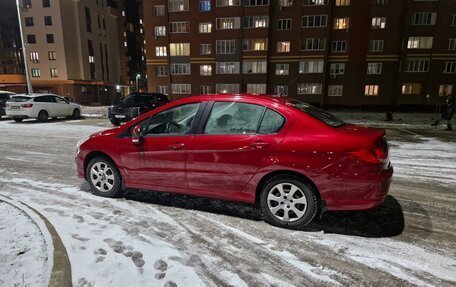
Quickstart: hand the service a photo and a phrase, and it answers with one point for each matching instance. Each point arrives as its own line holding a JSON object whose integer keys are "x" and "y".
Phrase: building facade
{"x": 132, "y": 43}
{"x": 11, "y": 65}
{"x": 73, "y": 48}
{"x": 327, "y": 52}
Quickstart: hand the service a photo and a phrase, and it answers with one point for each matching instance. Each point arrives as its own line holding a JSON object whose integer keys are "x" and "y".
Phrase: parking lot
{"x": 159, "y": 238}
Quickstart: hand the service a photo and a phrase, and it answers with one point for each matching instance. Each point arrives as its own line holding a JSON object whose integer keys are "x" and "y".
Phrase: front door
{"x": 159, "y": 162}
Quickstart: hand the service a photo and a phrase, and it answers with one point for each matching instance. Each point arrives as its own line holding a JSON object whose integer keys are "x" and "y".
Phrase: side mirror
{"x": 137, "y": 135}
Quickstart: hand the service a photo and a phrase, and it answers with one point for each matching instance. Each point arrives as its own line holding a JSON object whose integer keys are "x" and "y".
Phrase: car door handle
{"x": 259, "y": 145}
{"x": 176, "y": 146}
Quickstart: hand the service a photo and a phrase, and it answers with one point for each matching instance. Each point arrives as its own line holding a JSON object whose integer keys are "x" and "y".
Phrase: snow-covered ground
{"x": 160, "y": 239}
{"x": 26, "y": 247}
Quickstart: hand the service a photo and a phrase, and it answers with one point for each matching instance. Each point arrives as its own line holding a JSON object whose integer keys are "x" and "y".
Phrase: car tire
{"x": 18, "y": 120}
{"x": 76, "y": 114}
{"x": 104, "y": 177}
{"x": 42, "y": 116}
{"x": 288, "y": 202}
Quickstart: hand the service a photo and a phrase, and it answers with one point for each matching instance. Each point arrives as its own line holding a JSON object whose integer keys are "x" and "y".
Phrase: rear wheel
{"x": 76, "y": 114}
{"x": 18, "y": 120}
{"x": 104, "y": 178}
{"x": 288, "y": 202}
{"x": 42, "y": 116}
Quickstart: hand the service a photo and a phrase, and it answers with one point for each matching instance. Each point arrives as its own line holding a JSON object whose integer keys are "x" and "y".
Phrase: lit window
{"x": 205, "y": 70}
{"x": 420, "y": 42}
{"x": 255, "y": 44}
{"x": 411, "y": 89}
{"x": 283, "y": 46}
{"x": 160, "y": 51}
{"x": 205, "y": 27}
{"x": 342, "y": 2}
{"x": 256, "y": 21}
{"x": 179, "y": 49}
{"x": 379, "y": 22}
{"x": 177, "y": 5}
{"x": 341, "y": 23}
{"x": 228, "y": 23}
{"x": 445, "y": 90}
{"x": 371, "y": 90}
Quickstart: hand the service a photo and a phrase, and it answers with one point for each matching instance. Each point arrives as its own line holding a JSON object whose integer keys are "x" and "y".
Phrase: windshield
{"x": 19, "y": 99}
{"x": 136, "y": 98}
{"x": 321, "y": 115}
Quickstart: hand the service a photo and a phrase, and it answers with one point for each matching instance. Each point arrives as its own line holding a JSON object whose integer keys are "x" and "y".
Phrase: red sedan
{"x": 293, "y": 159}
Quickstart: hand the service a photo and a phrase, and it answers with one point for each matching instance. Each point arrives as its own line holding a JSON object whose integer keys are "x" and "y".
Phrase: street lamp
{"x": 138, "y": 76}
{"x": 24, "y": 52}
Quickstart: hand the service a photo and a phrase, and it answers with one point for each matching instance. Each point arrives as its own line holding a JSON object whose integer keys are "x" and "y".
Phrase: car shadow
{"x": 387, "y": 220}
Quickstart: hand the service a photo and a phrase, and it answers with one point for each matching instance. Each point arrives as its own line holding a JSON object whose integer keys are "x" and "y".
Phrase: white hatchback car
{"x": 41, "y": 107}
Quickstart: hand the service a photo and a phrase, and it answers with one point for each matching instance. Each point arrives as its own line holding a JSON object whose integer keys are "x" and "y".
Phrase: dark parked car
{"x": 134, "y": 105}
{"x": 4, "y": 97}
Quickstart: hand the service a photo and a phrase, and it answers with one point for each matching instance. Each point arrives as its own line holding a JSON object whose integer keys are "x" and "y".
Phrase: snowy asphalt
{"x": 160, "y": 239}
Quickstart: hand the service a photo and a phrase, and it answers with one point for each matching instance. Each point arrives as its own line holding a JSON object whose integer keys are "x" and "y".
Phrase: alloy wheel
{"x": 287, "y": 202}
{"x": 102, "y": 177}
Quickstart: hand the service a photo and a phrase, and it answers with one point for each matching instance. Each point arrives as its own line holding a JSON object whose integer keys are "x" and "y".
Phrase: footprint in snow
{"x": 162, "y": 266}
{"x": 101, "y": 252}
{"x": 127, "y": 251}
{"x": 170, "y": 284}
{"x": 78, "y": 218}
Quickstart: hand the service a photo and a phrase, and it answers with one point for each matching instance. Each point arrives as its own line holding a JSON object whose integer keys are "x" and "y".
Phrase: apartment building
{"x": 72, "y": 48}
{"x": 326, "y": 52}
{"x": 11, "y": 66}
{"x": 132, "y": 43}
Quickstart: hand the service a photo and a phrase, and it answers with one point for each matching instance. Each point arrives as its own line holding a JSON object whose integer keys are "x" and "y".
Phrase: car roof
{"x": 229, "y": 97}
{"x": 34, "y": 95}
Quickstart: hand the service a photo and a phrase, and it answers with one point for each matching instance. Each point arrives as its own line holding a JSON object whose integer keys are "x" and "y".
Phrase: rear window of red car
{"x": 321, "y": 115}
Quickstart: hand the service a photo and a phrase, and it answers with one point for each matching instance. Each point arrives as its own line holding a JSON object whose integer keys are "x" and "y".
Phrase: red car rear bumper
{"x": 361, "y": 194}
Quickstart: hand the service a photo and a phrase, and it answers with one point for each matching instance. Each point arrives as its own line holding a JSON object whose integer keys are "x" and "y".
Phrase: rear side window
{"x": 272, "y": 122}
{"x": 44, "y": 99}
{"x": 4, "y": 97}
{"x": 233, "y": 118}
{"x": 19, "y": 99}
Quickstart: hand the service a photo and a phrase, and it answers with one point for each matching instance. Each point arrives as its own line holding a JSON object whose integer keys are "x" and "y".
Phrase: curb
{"x": 61, "y": 269}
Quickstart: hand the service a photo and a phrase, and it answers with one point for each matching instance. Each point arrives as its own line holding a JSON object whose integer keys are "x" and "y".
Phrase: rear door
{"x": 45, "y": 102}
{"x": 228, "y": 152}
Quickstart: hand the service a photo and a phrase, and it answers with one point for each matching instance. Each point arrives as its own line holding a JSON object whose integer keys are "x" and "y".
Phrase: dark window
{"x": 27, "y": 3}
{"x": 233, "y": 118}
{"x": 323, "y": 116}
{"x": 50, "y": 38}
{"x": 88, "y": 19}
{"x": 46, "y": 3}
{"x": 31, "y": 39}
{"x": 48, "y": 20}
{"x": 45, "y": 99}
{"x": 175, "y": 121}
{"x": 272, "y": 122}
{"x": 28, "y": 21}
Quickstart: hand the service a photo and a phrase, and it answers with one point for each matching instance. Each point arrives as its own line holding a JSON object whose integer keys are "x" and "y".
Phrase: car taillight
{"x": 27, "y": 105}
{"x": 376, "y": 154}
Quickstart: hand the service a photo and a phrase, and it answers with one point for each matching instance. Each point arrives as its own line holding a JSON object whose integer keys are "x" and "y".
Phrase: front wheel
{"x": 104, "y": 178}
{"x": 288, "y": 202}
{"x": 76, "y": 114}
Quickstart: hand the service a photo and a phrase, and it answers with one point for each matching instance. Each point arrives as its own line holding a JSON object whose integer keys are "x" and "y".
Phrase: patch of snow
{"x": 26, "y": 253}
